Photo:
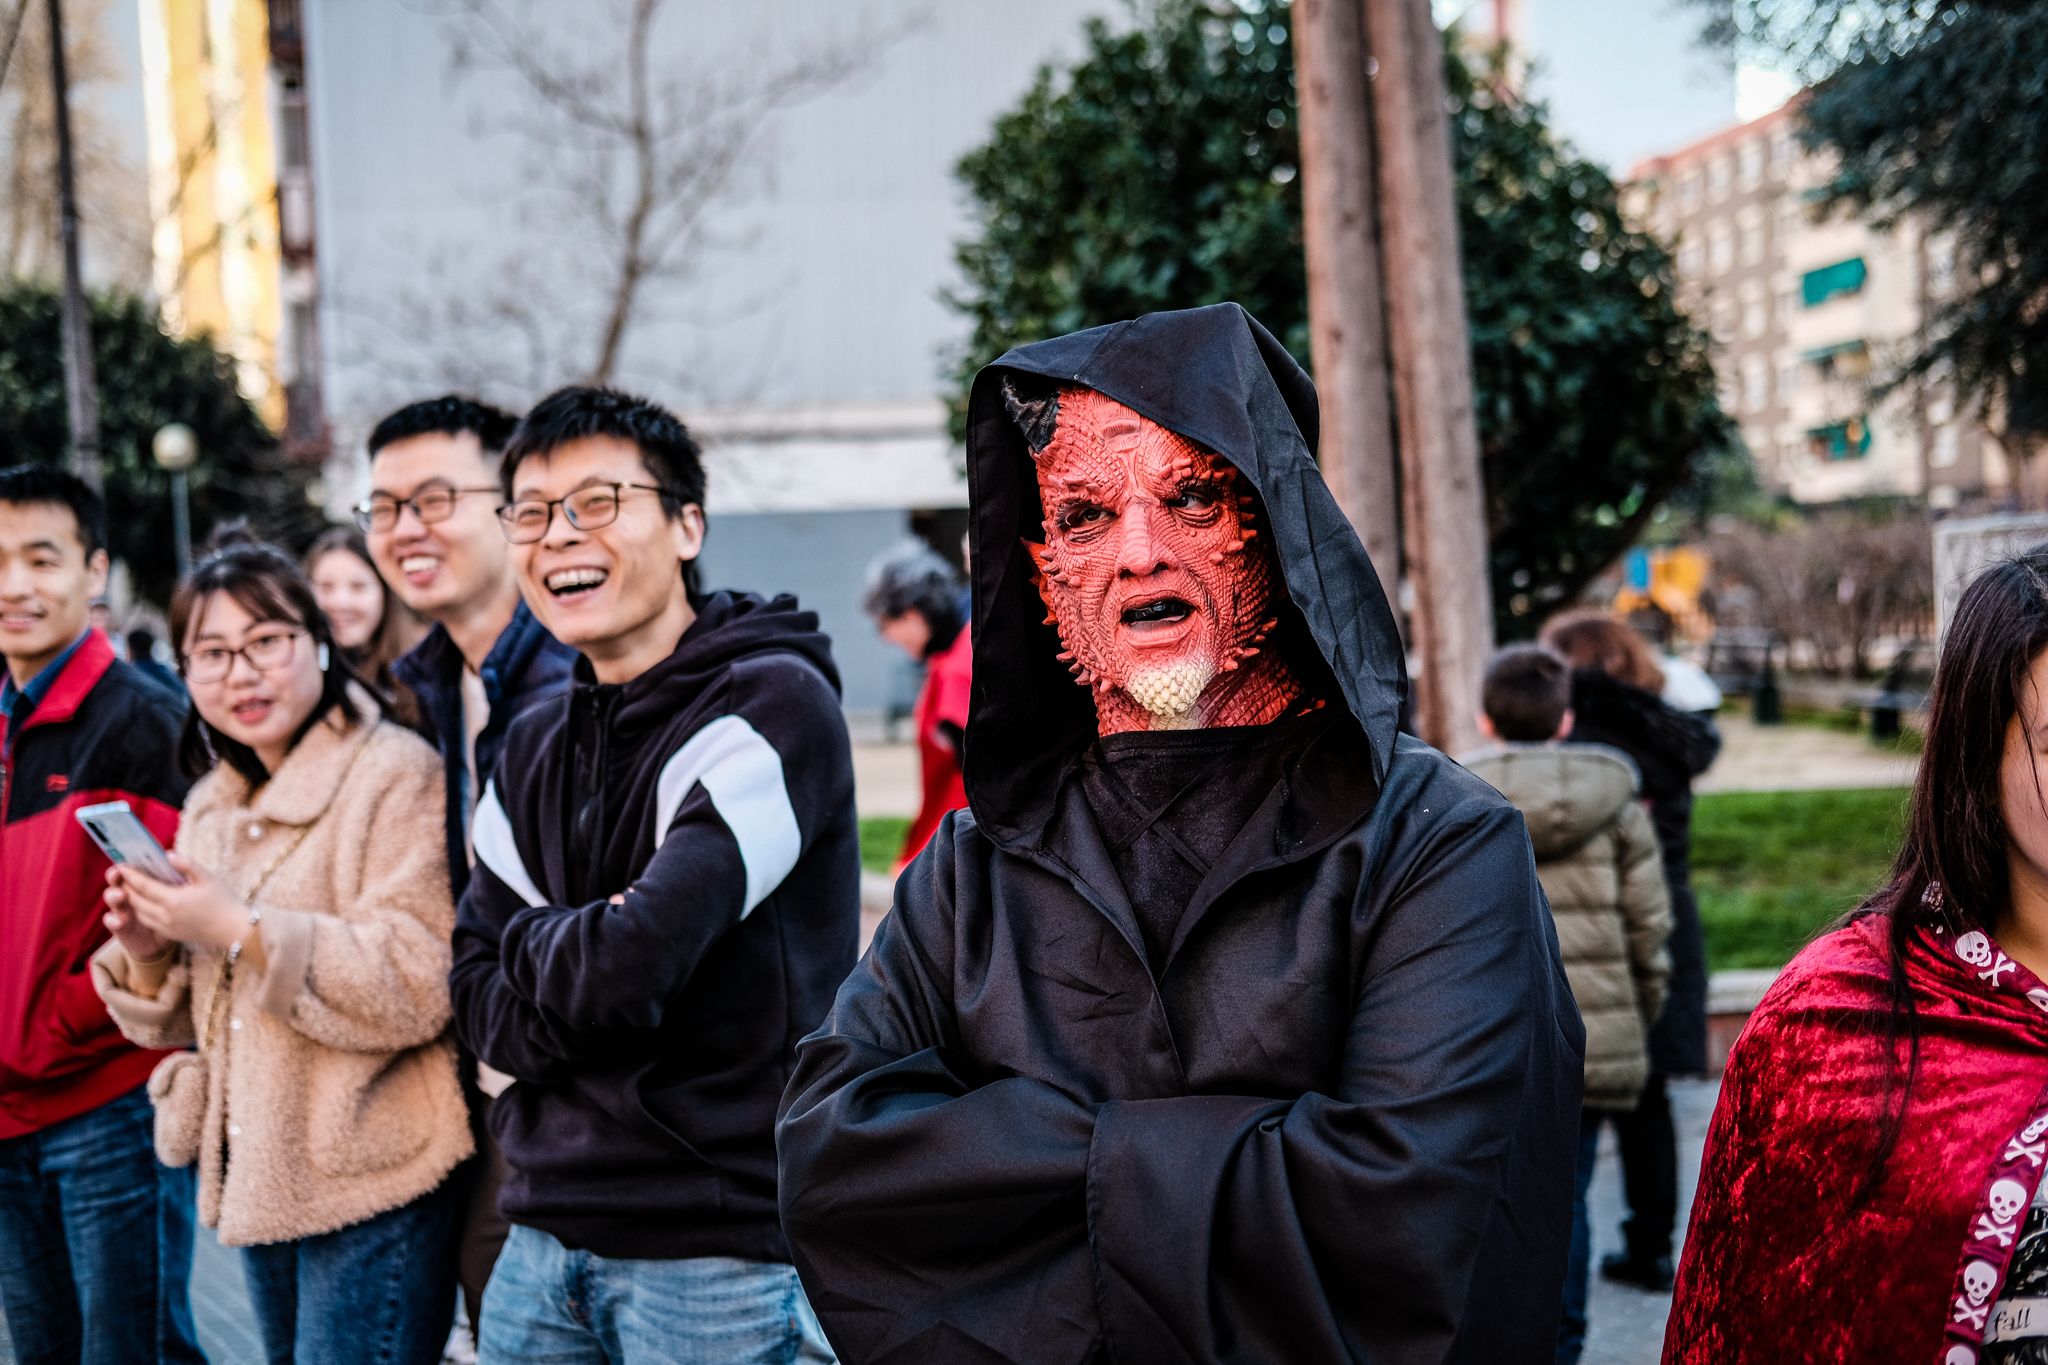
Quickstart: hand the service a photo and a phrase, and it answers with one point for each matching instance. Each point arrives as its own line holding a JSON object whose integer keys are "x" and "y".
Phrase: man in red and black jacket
{"x": 95, "y": 1235}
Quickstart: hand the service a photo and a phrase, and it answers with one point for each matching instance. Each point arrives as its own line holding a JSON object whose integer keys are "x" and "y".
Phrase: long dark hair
{"x": 263, "y": 579}
{"x": 1951, "y": 869}
{"x": 398, "y": 627}
{"x": 1596, "y": 641}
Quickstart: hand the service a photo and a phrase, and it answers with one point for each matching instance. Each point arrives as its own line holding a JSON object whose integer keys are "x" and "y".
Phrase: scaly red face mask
{"x": 1153, "y": 569}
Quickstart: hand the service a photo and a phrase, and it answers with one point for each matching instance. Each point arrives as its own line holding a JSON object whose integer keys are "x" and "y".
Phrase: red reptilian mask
{"x": 1152, "y": 568}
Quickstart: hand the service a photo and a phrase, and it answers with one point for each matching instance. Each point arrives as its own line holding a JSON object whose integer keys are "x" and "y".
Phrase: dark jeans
{"x": 96, "y": 1242}
{"x": 381, "y": 1291}
{"x": 1571, "y": 1328}
{"x": 1649, "y": 1172}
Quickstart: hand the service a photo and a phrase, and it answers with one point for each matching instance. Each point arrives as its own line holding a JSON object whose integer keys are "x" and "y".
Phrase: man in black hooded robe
{"x": 1227, "y": 1024}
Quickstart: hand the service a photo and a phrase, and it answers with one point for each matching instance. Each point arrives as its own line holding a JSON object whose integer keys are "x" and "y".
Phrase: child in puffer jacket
{"x": 1597, "y": 857}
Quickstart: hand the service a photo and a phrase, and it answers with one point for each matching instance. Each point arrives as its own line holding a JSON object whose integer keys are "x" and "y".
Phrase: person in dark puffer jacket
{"x": 1597, "y": 857}
{"x": 1615, "y": 701}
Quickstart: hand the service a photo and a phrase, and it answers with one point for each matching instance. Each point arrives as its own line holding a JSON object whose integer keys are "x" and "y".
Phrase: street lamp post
{"x": 176, "y": 449}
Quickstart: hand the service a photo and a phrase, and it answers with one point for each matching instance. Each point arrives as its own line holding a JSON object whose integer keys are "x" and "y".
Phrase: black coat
{"x": 1339, "y": 1122}
{"x": 1671, "y": 748}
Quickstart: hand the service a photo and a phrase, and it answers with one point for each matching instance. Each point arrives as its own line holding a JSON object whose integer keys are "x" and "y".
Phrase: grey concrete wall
{"x": 821, "y": 557}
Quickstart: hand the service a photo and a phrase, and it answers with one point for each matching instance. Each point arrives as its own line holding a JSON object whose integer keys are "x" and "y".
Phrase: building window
{"x": 1689, "y": 191}
{"x": 302, "y": 329}
{"x": 1941, "y": 409}
{"x": 1839, "y": 280}
{"x": 291, "y": 127}
{"x": 1785, "y": 150}
{"x": 1720, "y": 175}
{"x": 1756, "y": 386}
{"x": 1947, "y": 447}
{"x": 1689, "y": 258}
{"x": 1720, "y": 248}
{"x": 1752, "y": 162}
{"x": 1788, "y": 380}
{"x": 1791, "y": 218}
{"x": 1753, "y": 242}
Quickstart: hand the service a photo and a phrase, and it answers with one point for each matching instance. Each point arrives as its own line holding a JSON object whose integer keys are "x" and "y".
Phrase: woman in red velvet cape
{"x": 1883, "y": 1122}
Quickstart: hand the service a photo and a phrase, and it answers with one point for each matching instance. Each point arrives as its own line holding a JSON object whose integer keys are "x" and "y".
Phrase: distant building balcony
{"x": 1839, "y": 280}
{"x": 1848, "y": 439}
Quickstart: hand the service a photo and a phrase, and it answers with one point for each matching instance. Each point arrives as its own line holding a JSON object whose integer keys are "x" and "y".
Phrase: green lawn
{"x": 881, "y": 839}
{"x": 1770, "y": 868}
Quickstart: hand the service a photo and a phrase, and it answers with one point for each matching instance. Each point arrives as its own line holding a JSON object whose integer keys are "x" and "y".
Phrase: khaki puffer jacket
{"x": 331, "y": 1090}
{"x": 1596, "y": 854}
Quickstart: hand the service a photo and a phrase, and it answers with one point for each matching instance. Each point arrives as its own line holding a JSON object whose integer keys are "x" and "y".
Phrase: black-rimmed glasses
{"x": 267, "y": 653}
{"x": 587, "y": 509}
{"x": 380, "y": 513}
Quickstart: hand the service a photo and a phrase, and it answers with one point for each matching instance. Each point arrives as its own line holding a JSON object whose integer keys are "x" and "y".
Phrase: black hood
{"x": 729, "y": 627}
{"x": 1217, "y": 377}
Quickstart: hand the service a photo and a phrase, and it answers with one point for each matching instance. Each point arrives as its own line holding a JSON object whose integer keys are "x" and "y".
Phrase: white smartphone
{"x": 126, "y": 841}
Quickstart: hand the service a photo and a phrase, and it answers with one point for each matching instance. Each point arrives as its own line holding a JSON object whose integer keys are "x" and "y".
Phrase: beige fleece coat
{"x": 332, "y": 1093}
{"x": 1597, "y": 857}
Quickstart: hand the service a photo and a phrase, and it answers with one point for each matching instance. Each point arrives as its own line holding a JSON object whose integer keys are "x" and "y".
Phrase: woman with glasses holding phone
{"x": 305, "y": 957}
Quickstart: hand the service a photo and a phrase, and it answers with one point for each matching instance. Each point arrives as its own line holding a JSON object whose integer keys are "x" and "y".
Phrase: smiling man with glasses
{"x": 665, "y": 899}
{"x": 430, "y": 521}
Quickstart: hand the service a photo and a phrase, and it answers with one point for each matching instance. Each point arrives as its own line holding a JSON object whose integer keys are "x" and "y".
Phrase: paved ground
{"x": 1628, "y": 1325}
{"x": 1799, "y": 758}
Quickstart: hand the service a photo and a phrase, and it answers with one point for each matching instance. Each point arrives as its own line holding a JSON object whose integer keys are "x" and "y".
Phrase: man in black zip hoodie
{"x": 665, "y": 899}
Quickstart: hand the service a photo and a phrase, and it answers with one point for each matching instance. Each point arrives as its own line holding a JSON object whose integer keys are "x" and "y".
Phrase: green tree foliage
{"x": 1937, "y": 111}
{"x": 1160, "y": 171}
{"x": 146, "y": 379}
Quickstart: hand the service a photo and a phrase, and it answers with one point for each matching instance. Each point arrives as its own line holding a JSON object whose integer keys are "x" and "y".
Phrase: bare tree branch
{"x": 632, "y": 154}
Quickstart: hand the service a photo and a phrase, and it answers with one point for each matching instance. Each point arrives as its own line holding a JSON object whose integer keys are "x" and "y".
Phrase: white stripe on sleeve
{"x": 742, "y": 774}
{"x": 491, "y": 833}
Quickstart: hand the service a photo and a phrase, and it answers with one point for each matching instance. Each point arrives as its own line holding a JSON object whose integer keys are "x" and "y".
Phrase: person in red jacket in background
{"x": 919, "y": 605}
{"x": 95, "y": 1235}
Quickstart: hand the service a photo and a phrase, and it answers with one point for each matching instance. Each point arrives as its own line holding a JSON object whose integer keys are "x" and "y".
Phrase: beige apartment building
{"x": 1805, "y": 309}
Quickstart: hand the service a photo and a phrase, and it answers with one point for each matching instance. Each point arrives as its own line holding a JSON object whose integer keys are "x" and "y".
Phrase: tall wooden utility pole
{"x": 81, "y": 388}
{"x": 1443, "y": 501}
{"x": 1346, "y": 307}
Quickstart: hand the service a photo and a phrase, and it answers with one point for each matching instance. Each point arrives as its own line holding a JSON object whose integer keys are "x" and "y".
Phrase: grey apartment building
{"x": 1805, "y": 309}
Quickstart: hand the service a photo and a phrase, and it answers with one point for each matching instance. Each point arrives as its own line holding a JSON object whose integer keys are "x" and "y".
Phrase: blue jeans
{"x": 96, "y": 1242}
{"x": 382, "y": 1290}
{"x": 1571, "y": 1329}
{"x": 548, "y": 1305}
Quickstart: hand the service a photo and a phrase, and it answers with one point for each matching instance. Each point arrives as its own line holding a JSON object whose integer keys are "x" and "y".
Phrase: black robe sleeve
{"x": 930, "y": 1219}
{"x": 1419, "y": 1213}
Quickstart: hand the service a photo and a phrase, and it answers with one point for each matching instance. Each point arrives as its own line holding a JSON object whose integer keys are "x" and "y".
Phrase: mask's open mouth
{"x": 1159, "y": 611}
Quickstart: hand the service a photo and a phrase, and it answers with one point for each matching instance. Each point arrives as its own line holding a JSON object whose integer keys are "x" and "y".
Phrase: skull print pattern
{"x": 2005, "y": 1246}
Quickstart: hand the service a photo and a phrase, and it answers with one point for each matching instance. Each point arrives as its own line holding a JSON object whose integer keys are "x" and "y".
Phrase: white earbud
{"x": 323, "y": 657}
